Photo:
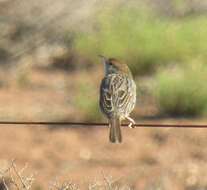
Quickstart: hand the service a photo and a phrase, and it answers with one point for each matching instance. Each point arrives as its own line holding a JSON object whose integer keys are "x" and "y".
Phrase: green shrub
{"x": 87, "y": 102}
{"x": 143, "y": 39}
{"x": 182, "y": 92}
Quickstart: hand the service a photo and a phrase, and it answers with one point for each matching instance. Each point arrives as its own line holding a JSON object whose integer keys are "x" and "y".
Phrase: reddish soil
{"x": 147, "y": 159}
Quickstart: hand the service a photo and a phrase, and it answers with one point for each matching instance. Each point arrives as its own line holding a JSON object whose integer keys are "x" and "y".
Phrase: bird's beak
{"x": 104, "y": 59}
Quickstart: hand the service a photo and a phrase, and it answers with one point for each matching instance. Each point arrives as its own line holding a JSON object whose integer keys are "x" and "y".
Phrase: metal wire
{"x": 145, "y": 125}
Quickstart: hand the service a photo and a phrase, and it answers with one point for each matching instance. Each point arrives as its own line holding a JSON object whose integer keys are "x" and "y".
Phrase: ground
{"x": 147, "y": 159}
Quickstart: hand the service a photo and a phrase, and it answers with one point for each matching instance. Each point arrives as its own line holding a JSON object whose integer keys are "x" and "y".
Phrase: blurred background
{"x": 50, "y": 71}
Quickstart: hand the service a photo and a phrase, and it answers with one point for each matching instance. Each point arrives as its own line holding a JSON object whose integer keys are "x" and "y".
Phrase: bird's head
{"x": 113, "y": 66}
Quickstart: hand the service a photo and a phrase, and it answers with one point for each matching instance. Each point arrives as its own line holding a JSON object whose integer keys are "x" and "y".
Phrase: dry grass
{"x": 12, "y": 178}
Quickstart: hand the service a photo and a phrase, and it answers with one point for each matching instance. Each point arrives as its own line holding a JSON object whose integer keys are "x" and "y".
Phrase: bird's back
{"x": 117, "y": 95}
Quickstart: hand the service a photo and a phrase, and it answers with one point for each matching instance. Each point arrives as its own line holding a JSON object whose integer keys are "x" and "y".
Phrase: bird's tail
{"x": 115, "y": 130}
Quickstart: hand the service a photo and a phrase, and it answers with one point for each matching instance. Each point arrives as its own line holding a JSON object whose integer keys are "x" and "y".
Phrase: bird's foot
{"x": 132, "y": 122}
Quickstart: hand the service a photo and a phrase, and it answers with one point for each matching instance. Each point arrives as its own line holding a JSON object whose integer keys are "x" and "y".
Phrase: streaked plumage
{"x": 117, "y": 96}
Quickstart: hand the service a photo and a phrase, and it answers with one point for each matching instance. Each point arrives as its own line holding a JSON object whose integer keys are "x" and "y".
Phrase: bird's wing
{"x": 106, "y": 96}
{"x": 116, "y": 94}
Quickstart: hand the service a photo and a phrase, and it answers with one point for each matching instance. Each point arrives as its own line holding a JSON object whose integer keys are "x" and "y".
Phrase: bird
{"x": 117, "y": 96}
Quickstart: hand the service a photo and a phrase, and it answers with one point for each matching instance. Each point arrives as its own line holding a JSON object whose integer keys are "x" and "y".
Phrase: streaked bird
{"x": 117, "y": 96}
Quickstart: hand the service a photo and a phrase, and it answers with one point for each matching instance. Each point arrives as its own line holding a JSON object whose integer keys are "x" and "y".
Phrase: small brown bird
{"x": 117, "y": 96}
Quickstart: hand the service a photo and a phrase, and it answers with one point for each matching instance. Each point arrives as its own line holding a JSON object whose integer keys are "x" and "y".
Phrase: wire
{"x": 146, "y": 125}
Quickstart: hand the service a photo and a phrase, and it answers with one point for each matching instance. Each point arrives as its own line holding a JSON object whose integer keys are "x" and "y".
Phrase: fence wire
{"x": 136, "y": 125}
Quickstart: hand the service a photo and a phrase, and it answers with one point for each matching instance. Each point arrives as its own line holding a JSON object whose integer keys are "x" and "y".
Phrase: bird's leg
{"x": 132, "y": 122}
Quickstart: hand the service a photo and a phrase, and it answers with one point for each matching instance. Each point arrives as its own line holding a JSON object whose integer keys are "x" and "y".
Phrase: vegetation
{"x": 148, "y": 42}
{"x": 87, "y": 105}
{"x": 182, "y": 92}
{"x": 13, "y": 178}
{"x": 143, "y": 39}
{"x": 148, "y": 39}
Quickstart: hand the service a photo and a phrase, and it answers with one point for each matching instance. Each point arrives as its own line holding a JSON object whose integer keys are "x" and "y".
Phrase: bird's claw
{"x": 132, "y": 122}
{"x": 131, "y": 125}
